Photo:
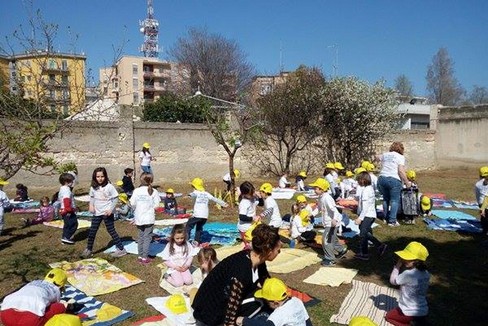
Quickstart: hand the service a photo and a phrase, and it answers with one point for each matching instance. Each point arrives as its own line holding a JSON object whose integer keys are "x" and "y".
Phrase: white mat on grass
{"x": 367, "y": 299}
{"x": 159, "y": 303}
{"x": 333, "y": 276}
{"x": 170, "y": 221}
{"x": 291, "y": 259}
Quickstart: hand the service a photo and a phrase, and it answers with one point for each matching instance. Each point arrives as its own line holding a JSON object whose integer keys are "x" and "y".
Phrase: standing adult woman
{"x": 392, "y": 175}
{"x": 220, "y": 299}
{"x": 145, "y": 158}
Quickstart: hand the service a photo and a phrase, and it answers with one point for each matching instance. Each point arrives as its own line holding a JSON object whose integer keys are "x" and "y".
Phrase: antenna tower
{"x": 150, "y": 28}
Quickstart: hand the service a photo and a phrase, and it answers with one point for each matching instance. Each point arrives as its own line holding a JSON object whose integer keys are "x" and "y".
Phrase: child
{"x": 67, "y": 208}
{"x": 178, "y": 255}
{"x": 127, "y": 185}
{"x": 302, "y": 228}
{"x": 330, "y": 175}
{"x": 272, "y": 211}
{"x": 426, "y": 204}
{"x": 4, "y": 202}
{"x": 366, "y": 216}
{"x": 283, "y": 182}
{"x": 481, "y": 186}
{"x": 413, "y": 282}
{"x": 412, "y": 176}
{"x": 36, "y": 302}
{"x": 145, "y": 200}
{"x": 170, "y": 205}
{"x": 331, "y": 220}
{"x": 287, "y": 310}
{"x": 247, "y": 210}
{"x": 303, "y": 204}
{"x": 300, "y": 181}
{"x": 207, "y": 259}
{"x": 484, "y": 216}
{"x": 227, "y": 180}
{"x": 103, "y": 198}
{"x": 348, "y": 185}
{"x": 200, "y": 208}
{"x": 46, "y": 213}
{"x": 123, "y": 210}
{"x": 21, "y": 193}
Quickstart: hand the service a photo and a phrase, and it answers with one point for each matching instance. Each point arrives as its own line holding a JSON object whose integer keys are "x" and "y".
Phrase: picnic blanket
{"x": 157, "y": 320}
{"x": 367, "y": 299}
{"x": 465, "y": 205}
{"x": 159, "y": 303}
{"x": 279, "y": 193}
{"x": 224, "y": 252}
{"x": 349, "y": 203}
{"x": 84, "y": 214}
{"x": 82, "y": 224}
{"x": 469, "y": 226}
{"x": 452, "y": 215}
{"x": 214, "y": 233}
{"x": 332, "y": 276}
{"x": 96, "y": 276}
{"x": 185, "y": 289}
{"x": 442, "y": 202}
{"x": 170, "y": 221}
{"x": 83, "y": 198}
{"x": 25, "y": 210}
{"x": 155, "y": 248}
{"x": 291, "y": 259}
{"x": 90, "y": 313}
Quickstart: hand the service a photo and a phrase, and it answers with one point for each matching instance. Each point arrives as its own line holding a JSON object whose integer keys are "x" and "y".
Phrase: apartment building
{"x": 136, "y": 80}
{"x": 263, "y": 85}
{"x": 57, "y": 80}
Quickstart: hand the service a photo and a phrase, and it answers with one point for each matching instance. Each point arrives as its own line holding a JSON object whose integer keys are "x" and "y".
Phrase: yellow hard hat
{"x": 123, "y": 198}
{"x": 349, "y": 174}
{"x": 413, "y": 251}
{"x": 273, "y": 290}
{"x": 330, "y": 165}
{"x": 484, "y": 171}
{"x": 197, "y": 183}
{"x": 361, "y": 321}
{"x": 146, "y": 145}
{"x": 302, "y": 174}
{"x": 64, "y": 320}
{"x": 266, "y": 187}
{"x": 304, "y": 215}
{"x": 425, "y": 203}
{"x": 364, "y": 164}
{"x": 411, "y": 175}
{"x": 119, "y": 183}
{"x": 57, "y": 276}
{"x": 301, "y": 199}
{"x": 370, "y": 167}
{"x": 237, "y": 173}
{"x": 359, "y": 170}
{"x": 170, "y": 191}
{"x": 338, "y": 166}
{"x": 3, "y": 182}
{"x": 321, "y": 183}
{"x": 176, "y": 304}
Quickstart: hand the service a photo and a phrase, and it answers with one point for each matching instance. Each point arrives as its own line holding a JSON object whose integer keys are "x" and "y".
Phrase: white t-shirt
{"x": 297, "y": 227}
{"x": 283, "y": 182}
{"x": 65, "y": 192}
{"x": 144, "y": 205}
{"x": 3, "y": 201}
{"x": 481, "y": 191}
{"x": 413, "y": 291}
{"x": 275, "y": 220}
{"x": 34, "y": 297}
{"x": 329, "y": 210}
{"x": 202, "y": 198}
{"x": 389, "y": 164}
{"x": 248, "y": 208}
{"x": 291, "y": 313}
{"x": 145, "y": 158}
{"x": 367, "y": 203}
{"x": 103, "y": 199}
{"x": 226, "y": 177}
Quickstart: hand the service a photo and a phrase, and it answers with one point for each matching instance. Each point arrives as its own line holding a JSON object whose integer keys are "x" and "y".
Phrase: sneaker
{"x": 361, "y": 256}
{"x": 86, "y": 253}
{"x": 394, "y": 224}
{"x": 118, "y": 253}
{"x": 144, "y": 261}
{"x": 382, "y": 249}
{"x": 67, "y": 241}
{"x": 342, "y": 254}
{"x": 328, "y": 263}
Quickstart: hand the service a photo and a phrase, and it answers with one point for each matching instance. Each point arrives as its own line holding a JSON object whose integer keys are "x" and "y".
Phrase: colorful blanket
{"x": 465, "y": 205}
{"x": 279, "y": 193}
{"x": 332, "y": 276}
{"x": 155, "y": 248}
{"x": 220, "y": 233}
{"x": 367, "y": 299}
{"x": 94, "y": 312}
{"x": 452, "y": 215}
{"x": 170, "y": 221}
{"x": 82, "y": 224}
{"x": 96, "y": 276}
{"x": 444, "y": 203}
{"x": 469, "y": 226}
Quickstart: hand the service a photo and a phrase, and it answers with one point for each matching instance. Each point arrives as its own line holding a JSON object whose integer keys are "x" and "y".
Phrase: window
{"x": 52, "y": 64}
{"x": 52, "y": 94}
{"x": 115, "y": 83}
{"x": 65, "y": 94}
{"x": 134, "y": 69}
{"x": 135, "y": 83}
{"x": 136, "y": 98}
{"x": 64, "y": 80}
{"x": 52, "y": 78}
{"x": 65, "y": 109}
{"x": 265, "y": 89}
{"x": 64, "y": 65}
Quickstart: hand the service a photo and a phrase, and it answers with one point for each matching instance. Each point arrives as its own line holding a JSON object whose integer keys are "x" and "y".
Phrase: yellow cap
{"x": 330, "y": 165}
{"x": 425, "y": 203}
{"x": 359, "y": 170}
{"x": 302, "y": 174}
{"x": 170, "y": 191}
{"x": 64, "y": 320}
{"x": 119, "y": 183}
{"x": 411, "y": 175}
{"x": 266, "y": 188}
{"x": 146, "y": 145}
{"x": 57, "y": 276}
{"x": 370, "y": 167}
{"x": 3, "y": 182}
{"x": 237, "y": 173}
{"x": 484, "y": 171}
{"x": 176, "y": 304}
{"x": 301, "y": 199}
{"x": 197, "y": 183}
{"x": 349, "y": 174}
{"x": 413, "y": 251}
{"x": 321, "y": 183}
{"x": 364, "y": 164}
{"x": 338, "y": 166}
{"x": 273, "y": 290}
{"x": 108, "y": 312}
{"x": 361, "y": 321}
{"x": 123, "y": 198}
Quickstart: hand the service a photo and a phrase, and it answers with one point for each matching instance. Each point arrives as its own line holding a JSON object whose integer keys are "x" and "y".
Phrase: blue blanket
{"x": 469, "y": 226}
{"x": 452, "y": 215}
{"x": 213, "y": 232}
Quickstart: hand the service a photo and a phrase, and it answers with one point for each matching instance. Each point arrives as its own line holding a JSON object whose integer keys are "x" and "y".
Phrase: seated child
{"x": 123, "y": 210}
{"x": 178, "y": 256}
{"x": 283, "y": 182}
{"x": 287, "y": 310}
{"x": 426, "y": 205}
{"x": 302, "y": 228}
{"x": 348, "y": 185}
{"x": 21, "y": 193}
{"x": 170, "y": 205}
{"x": 300, "y": 181}
{"x": 46, "y": 213}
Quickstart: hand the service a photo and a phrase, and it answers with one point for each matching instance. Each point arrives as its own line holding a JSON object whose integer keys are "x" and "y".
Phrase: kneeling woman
{"x": 220, "y": 298}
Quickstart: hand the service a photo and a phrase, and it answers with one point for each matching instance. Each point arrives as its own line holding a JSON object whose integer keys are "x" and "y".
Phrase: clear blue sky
{"x": 375, "y": 39}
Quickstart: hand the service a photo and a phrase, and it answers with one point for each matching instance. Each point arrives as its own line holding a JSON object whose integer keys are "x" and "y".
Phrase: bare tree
{"x": 479, "y": 95}
{"x": 404, "y": 87}
{"x": 218, "y": 67}
{"x": 442, "y": 85}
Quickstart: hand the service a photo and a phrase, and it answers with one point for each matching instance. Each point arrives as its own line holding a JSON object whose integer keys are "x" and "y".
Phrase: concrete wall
{"x": 184, "y": 151}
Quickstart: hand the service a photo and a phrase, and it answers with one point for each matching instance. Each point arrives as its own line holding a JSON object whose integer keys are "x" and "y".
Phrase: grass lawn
{"x": 458, "y": 293}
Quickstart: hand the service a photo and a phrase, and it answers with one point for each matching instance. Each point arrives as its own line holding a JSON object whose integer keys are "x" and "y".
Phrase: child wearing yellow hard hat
{"x": 271, "y": 214}
{"x": 170, "y": 204}
{"x": 413, "y": 282}
{"x": 287, "y": 310}
{"x": 331, "y": 175}
{"x": 426, "y": 205}
{"x": 145, "y": 158}
{"x": 481, "y": 186}
{"x": 300, "y": 181}
{"x": 302, "y": 227}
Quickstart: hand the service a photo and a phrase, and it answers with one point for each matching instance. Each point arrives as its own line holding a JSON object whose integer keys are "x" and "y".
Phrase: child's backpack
{"x": 409, "y": 202}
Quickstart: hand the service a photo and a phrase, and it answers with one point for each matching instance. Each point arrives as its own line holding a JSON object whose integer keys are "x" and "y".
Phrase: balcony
{"x": 154, "y": 74}
{"x": 54, "y": 84}
{"x": 54, "y": 69}
{"x": 154, "y": 88}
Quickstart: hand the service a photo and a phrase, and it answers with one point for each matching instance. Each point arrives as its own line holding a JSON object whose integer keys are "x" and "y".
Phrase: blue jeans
{"x": 146, "y": 169}
{"x": 390, "y": 188}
